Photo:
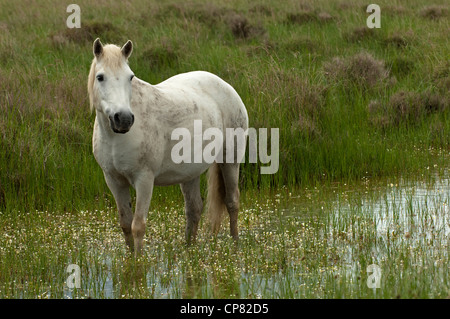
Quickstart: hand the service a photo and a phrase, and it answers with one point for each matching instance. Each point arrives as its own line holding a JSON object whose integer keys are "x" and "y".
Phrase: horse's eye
{"x": 100, "y": 77}
{"x": 131, "y": 77}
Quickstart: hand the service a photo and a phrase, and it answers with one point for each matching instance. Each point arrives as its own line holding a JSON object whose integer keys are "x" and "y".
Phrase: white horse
{"x": 132, "y": 139}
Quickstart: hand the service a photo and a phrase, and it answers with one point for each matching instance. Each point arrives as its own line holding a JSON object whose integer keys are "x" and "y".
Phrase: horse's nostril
{"x": 121, "y": 122}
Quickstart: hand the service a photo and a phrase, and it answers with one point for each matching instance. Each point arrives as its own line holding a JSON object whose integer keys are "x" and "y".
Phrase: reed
{"x": 311, "y": 69}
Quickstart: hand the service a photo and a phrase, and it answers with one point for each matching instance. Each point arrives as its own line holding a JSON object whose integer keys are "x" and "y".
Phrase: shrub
{"x": 361, "y": 69}
{"x": 434, "y": 12}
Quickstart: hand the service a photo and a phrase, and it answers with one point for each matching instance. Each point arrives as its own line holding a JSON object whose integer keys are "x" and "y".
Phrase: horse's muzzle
{"x": 121, "y": 122}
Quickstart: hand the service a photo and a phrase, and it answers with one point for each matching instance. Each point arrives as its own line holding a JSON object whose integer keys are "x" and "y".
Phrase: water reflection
{"x": 378, "y": 219}
{"x": 414, "y": 210}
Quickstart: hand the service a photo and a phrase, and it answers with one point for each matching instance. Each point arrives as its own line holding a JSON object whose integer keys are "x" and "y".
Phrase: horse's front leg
{"x": 144, "y": 190}
{"x": 120, "y": 188}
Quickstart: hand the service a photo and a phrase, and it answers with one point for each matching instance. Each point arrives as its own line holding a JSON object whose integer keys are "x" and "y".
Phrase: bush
{"x": 361, "y": 69}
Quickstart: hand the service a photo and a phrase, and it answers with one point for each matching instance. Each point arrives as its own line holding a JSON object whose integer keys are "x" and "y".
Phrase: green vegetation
{"x": 350, "y": 103}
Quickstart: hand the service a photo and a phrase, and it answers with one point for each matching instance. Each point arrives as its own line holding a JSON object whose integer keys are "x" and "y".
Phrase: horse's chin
{"x": 120, "y": 131}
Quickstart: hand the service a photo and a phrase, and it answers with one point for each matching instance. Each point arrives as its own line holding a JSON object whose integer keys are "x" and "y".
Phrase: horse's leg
{"x": 193, "y": 206}
{"x": 120, "y": 188}
{"x": 230, "y": 173}
{"x": 144, "y": 190}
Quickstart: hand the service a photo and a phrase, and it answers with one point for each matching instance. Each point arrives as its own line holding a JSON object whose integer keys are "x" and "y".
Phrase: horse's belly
{"x": 180, "y": 173}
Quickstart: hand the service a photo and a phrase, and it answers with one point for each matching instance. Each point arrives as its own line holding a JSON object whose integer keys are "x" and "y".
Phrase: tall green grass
{"x": 273, "y": 53}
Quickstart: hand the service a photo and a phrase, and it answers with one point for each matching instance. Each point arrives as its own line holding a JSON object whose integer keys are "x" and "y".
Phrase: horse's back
{"x": 210, "y": 87}
{"x": 194, "y": 79}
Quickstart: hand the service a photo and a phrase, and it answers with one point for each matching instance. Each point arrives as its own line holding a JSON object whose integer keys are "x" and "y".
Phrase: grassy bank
{"x": 349, "y": 101}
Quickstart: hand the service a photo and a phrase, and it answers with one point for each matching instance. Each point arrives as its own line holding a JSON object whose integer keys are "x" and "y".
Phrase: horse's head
{"x": 109, "y": 84}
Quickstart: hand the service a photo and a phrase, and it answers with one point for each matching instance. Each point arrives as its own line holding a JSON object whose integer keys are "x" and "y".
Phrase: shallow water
{"x": 403, "y": 214}
{"x": 304, "y": 243}
{"x": 388, "y": 217}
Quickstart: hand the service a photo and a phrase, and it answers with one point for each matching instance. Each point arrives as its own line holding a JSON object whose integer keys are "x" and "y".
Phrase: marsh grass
{"x": 55, "y": 208}
{"x": 307, "y": 243}
{"x": 307, "y": 68}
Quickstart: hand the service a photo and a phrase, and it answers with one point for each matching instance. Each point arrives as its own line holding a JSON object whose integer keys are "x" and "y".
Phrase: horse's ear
{"x": 98, "y": 48}
{"x": 127, "y": 49}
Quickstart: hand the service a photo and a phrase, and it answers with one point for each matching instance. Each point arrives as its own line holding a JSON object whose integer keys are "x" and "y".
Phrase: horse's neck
{"x": 141, "y": 85}
{"x": 147, "y": 91}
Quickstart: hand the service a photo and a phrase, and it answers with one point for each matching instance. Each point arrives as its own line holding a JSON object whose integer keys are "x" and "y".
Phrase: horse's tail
{"x": 215, "y": 199}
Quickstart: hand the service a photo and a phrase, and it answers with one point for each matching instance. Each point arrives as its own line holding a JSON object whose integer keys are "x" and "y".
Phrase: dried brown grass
{"x": 360, "y": 33}
{"x": 307, "y": 104}
{"x": 88, "y": 32}
{"x": 241, "y": 28}
{"x": 361, "y": 69}
{"x": 399, "y": 39}
{"x": 406, "y": 107}
{"x": 441, "y": 77}
{"x": 434, "y": 12}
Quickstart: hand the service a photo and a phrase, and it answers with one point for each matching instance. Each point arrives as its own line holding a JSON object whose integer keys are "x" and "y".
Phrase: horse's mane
{"x": 90, "y": 88}
{"x": 111, "y": 58}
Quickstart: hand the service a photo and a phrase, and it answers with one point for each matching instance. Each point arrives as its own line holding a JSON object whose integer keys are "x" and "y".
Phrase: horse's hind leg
{"x": 120, "y": 188}
{"x": 230, "y": 173}
{"x": 193, "y": 206}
